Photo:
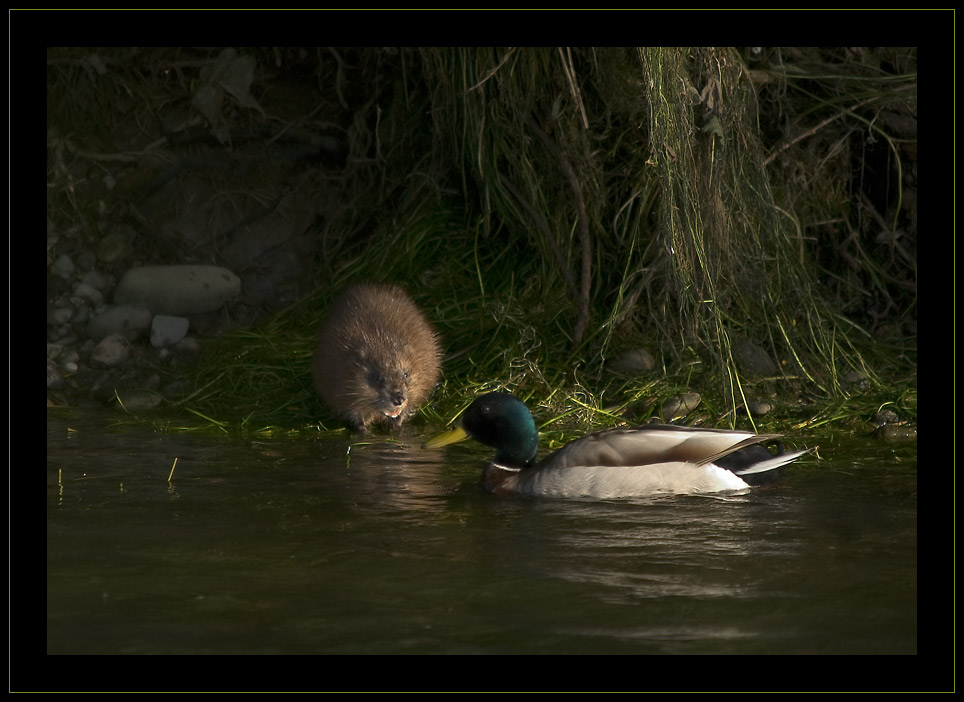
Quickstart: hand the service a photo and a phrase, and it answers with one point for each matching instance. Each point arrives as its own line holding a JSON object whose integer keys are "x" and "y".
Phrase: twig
{"x": 813, "y": 130}
{"x": 570, "y": 72}
{"x": 494, "y": 70}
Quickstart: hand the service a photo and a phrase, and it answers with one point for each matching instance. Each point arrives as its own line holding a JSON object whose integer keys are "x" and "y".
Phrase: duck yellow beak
{"x": 444, "y": 439}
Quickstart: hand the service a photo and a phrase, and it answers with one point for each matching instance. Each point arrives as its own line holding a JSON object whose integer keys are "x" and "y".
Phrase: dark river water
{"x": 324, "y": 546}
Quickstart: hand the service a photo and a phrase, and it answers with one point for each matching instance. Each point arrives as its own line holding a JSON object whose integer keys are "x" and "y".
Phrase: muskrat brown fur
{"x": 377, "y": 358}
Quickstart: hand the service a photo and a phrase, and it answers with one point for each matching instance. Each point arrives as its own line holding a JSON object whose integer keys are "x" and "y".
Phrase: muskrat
{"x": 377, "y": 357}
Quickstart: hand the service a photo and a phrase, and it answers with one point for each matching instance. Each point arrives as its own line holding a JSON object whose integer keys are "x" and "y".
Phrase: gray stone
{"x": 66, "y": 337}
{"x": 125, "y": 319}
{"x": 189, "y": 345}
{"x": 88, "y": 293}
{"x": 70, "y": 361}
{"x": 896, "y": 433}
{"x": 178, "y": 290}
{"x": 96, "y": 279}
{"x": 751, "y": 359}
{"x": 137, "y": 400}
{"x": 113, "y": 247}
{"x": 86, "y": 260}
{"x": 167, "y": 331}
{"x": 679, "y": 406}
{"x": 885, "y": 416}
{"x": 111, "y": 351}
{"x": 632, "y": 362}
{"x": 62, "y": 315}
{"x": 55, "y": 379}
{"x": 759, "y": 408}
{"x": 63, "y": 266}
{"x": 82, "y": 315}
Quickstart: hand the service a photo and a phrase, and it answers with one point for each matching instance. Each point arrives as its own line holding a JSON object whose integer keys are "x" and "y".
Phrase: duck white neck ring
{"x": 508, "y": 468}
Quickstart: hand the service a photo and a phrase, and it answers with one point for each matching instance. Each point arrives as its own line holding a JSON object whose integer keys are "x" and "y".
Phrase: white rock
{"x": 178, "y": 290}
{"x": 70, "y": 362}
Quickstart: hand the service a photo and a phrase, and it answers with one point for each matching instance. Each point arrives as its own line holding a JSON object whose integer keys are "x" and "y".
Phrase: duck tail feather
{"x": 771, "y": 463}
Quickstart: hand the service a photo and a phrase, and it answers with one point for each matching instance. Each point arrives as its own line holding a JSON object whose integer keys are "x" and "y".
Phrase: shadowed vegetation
{"x": 744, "y": 218}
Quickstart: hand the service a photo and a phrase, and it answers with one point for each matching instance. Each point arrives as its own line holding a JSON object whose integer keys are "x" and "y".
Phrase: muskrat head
{"x": 390, "y": 390}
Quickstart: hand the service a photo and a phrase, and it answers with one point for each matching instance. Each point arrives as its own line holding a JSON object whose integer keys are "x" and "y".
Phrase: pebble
{"x": 91, "y": 343}
{"x": 62, "y": 315}
{"x": 111, "y": 351}
{"x": 63, "y": 266}
{"x": 632, "y": 362}
{"x": 137, "y": 400}
{"x": 97, "y": 280}
{"x": 55, "y": 379}
{"x": 188, "y": 345}
{"x": 679, "y": 406}
{"x": 113, "y": 247}
{"x": 856, "y": 380}
{"x": 885, "y": 416}
{"x": 759, "y": 408}
{"x": 892, "y": 433}
{"x": 89, "y": 294}
{"x": 167, "y": 331}
{"x": 86, "y": 260}
{"x": 124, "y": 319}
{"x": 751, "y": 359}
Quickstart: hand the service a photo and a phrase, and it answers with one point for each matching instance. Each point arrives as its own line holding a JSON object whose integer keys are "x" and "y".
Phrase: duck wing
{"x": 650, "y": 444}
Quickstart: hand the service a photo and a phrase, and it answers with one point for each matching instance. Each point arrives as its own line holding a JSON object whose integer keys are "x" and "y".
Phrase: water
{"x": 316, "y": 546}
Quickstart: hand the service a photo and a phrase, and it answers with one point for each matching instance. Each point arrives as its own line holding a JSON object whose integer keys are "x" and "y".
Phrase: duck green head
{"x": 502, "y": 421}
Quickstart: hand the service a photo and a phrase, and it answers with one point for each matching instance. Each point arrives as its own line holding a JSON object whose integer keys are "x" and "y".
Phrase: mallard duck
{"x": 623, "y": 462}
